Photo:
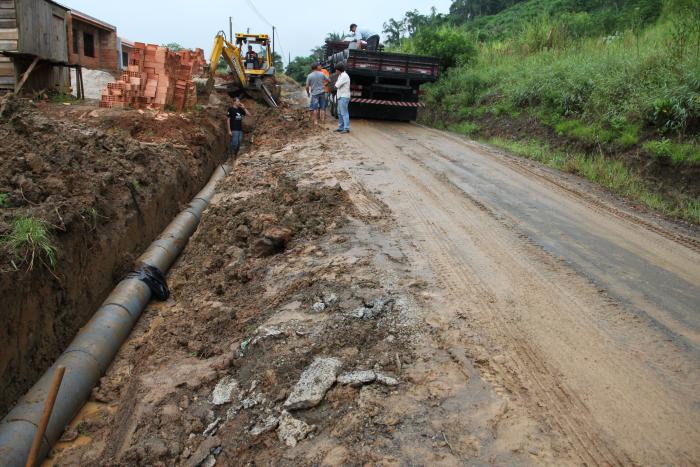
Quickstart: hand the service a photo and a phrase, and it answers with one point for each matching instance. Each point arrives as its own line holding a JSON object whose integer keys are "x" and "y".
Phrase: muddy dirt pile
{"x": 99, "y": 186}
{"x": 283, "y": 326}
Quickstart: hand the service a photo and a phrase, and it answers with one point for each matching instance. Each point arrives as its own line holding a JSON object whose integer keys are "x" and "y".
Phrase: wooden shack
{"x": 33, "y": 37}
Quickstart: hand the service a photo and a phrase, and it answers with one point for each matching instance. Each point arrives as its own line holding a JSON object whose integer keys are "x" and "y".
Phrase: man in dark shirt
{"x": 251, "y": 57}
{"x": 234, "y": 123}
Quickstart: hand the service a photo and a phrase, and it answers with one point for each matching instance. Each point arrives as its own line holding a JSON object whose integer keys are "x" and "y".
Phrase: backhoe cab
{"x": 260, "y": 45}
{"x": 253, "y": 76}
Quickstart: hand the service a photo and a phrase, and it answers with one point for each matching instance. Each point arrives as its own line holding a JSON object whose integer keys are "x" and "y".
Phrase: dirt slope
{"x": 458, "y": 272}
{"x": 105, "y": 183}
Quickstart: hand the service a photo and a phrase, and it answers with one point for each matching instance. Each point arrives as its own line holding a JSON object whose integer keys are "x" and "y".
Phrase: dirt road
{"x": 498, "y": 313}
{"x": 592, "y": 310}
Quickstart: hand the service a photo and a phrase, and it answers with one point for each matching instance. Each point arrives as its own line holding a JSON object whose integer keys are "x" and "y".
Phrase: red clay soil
{"x": 105, "y": 183}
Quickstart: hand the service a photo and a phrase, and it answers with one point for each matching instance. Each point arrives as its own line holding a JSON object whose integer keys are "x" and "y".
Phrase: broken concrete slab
{"x": 316, "y": 379}
{"x": 357, "y": 378}
{"x": 225, "y": 390}
{"x": 291, "y": 430}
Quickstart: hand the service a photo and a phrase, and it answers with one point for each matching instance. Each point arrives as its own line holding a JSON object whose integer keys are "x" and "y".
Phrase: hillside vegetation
{"x": 606, "y": 89}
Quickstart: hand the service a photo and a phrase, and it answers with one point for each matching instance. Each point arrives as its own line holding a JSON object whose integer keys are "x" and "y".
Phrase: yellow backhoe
{"x": 253, "y": 74}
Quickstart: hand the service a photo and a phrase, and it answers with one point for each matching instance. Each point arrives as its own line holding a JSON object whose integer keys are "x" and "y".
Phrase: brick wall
{"x": 104, "y": 44}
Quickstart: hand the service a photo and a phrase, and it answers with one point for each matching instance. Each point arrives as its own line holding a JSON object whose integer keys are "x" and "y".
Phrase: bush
{"x": 677, "y": 153}
{"x": 453, "y": 46}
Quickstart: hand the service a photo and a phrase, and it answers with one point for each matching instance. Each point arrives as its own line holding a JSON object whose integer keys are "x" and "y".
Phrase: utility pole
{"x": 273, "y": 42}
{"x": 230, "y": 29}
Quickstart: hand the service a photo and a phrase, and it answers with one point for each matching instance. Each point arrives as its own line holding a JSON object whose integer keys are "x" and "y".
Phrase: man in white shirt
{"x": 365, "y": 39}
{"x": 342, "y": 86}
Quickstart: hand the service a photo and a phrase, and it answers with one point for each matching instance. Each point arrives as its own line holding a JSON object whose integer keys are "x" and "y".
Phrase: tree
{"x": 298, "y": 68}
{"x": 335, "y": 36}
{"x": 394, "y": 31}
{"x": 467, "y": 10}
{"x": 174, "y": 46}
{"x": 277, "y": 62}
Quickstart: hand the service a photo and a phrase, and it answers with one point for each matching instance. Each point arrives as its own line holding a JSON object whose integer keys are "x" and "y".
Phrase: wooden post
{"x": 82, "y": 83}
{"x": 77, "y": 82}
{"x": 45, "y": 416}
{"x": 26, "y": 75}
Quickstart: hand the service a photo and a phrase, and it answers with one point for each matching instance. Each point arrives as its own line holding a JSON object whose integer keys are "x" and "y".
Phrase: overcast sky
{"x": 302, "y": 25}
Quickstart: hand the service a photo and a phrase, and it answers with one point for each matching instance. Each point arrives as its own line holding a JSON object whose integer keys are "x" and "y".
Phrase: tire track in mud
{"x": 457, "y": 277}
{"x": 568, "y": 413}
{"x": 592, "y": 202}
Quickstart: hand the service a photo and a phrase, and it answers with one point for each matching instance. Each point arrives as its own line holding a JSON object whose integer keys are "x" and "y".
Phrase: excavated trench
{"x": 42, "y": 310}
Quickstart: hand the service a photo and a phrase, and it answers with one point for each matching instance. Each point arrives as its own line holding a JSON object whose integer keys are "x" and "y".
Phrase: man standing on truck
{"x": 342, "y": 86}
{"x": 363, "y": 38}
{"x": 315, "y": 89}
{"x": 234, "y": 125}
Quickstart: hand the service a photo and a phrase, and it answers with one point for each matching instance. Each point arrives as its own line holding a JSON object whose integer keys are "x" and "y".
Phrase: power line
{"x": 264, "y": 20}
{"x": 257, "y": 12}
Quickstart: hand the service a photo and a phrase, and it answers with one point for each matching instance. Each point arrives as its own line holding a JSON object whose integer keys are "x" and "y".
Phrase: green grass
{"x": 465, "y": 128}
{"x": 30, "y": 240}
{"x": 4, "y": 200}
{"x": 677, "y": 153}
{"x": 60, "y": 98}
{"x": 610, "y": 173}
{"x": 575, "y": 129}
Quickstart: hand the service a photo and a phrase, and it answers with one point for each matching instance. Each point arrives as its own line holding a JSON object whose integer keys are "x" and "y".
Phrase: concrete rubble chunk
{"x": 318, "y": 307}
{"x": 252, "y": 401}
{"x": 212, "y": 428}
{"x": 387, "y": 380}
{"x": 264, "y": 332}
{"x": 316, "y": 379}
{"x": 203, "y": 451}
{"x": 268, "y": 424}
{"x": 210, "y": 461}
{"x": 224, "y": 391}
{"x": 291, "y": 430}
{"x": 373, "y": 309}
{"x": 357, "y": 378}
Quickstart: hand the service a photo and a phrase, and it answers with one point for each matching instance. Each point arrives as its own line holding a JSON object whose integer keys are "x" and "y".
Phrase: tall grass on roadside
{"x": 610, "y": 173}
{"x": 30, "y": 240}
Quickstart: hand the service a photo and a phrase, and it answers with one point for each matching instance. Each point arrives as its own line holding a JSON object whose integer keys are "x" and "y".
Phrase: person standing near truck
{"x": 326, "y": 88}
{"x": 315, "y": 89}
{"x": 234, "y": 124}
{"x": 342, "y": 86}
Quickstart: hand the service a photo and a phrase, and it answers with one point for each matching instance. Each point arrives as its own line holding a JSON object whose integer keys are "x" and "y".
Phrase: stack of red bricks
{"x": 194, "y": 57}
{"x": 155, "y": 78}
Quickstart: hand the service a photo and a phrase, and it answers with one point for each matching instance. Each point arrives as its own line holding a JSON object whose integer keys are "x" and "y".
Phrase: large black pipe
{"x": 89, "y": 355}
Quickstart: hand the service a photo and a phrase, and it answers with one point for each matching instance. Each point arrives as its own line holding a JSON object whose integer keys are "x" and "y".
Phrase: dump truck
{"x": 384, "y": 85}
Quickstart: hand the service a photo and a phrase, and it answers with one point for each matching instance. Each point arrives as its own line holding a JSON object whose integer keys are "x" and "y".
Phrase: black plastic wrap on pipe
{"x": 89, "y": 355}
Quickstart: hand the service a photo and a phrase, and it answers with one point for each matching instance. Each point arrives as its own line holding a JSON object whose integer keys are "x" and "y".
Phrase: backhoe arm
{"x": 232, "y": 57}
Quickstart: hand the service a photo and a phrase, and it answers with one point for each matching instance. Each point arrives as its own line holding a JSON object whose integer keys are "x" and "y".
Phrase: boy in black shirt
{"x": 235, "y": 125}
